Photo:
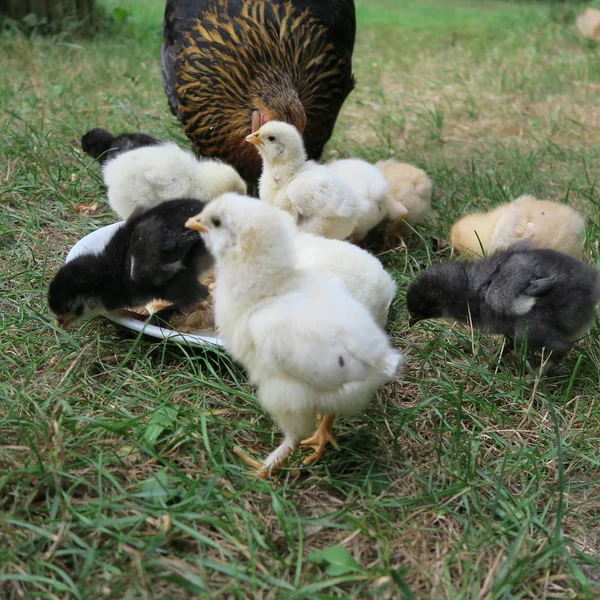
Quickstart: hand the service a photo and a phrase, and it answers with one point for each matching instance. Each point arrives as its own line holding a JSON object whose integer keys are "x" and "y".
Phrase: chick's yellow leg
{"x": 276, "y": 459}
{"x": 322, "y": 437}
{"x": 394, "y": 235}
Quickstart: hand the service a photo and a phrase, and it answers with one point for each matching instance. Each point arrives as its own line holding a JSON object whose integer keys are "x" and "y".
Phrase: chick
{"x": 524, "y": 292}
{"x": 103, "y": 145}
{"x": 148, "y": 176}
{"x": 152, "y": 255}
{"x": 361, "y": 273}
{"x": 546, "y": 224}
{"x": 371, "y": 188}
{"x": 472, "y": 235}
{"x": 318, "y": 199}
{"x": 307, "y": 344}
{"x": 409, "y": 197}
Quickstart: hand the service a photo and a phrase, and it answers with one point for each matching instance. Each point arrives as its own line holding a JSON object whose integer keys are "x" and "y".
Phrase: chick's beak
{"x": 255, "y": 139}
{"x": 196, "y": 224}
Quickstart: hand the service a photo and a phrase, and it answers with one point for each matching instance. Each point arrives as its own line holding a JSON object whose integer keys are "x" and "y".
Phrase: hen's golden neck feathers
{"x": 270, "y": 57}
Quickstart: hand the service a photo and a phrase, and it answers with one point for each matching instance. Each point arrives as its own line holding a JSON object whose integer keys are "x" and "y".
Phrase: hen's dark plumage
{"x": 103, "y": 145}
{"x": 523, "y": 292}
{"x": 151, "y": 256}
{"x": 230, "y": 65}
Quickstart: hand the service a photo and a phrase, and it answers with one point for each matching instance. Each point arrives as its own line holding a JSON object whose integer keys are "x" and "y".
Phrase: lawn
{"x": 472, "y": 479}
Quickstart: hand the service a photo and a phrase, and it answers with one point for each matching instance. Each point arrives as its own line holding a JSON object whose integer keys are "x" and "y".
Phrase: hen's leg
{"x": 272, "y": 462}
{"x": 322, "y": 437}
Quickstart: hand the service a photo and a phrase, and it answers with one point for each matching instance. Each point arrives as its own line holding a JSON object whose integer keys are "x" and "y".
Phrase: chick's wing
{"x": 157, "y": 251}
{"x": 316, "y": 192}
{"x": 309, "y": 340}
{"x": 516, "y": 284}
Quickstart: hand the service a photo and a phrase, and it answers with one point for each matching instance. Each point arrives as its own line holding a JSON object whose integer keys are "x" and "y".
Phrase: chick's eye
{"x": 216, "y": 221}
{"x": 271, "y": 138}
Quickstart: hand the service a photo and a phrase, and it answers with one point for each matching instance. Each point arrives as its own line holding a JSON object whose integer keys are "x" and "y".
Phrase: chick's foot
{"x": 394, "y": 236}
{"x": 276, "y": 459}
{"x": 322, "y": 437}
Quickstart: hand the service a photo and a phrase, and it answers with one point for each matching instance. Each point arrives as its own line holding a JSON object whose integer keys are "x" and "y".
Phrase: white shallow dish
{"x": 94, "y": 243}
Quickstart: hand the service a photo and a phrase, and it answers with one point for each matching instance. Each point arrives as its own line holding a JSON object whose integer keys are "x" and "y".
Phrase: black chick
{"x": 103, "y": 145}
{"x": 523, "y": 292}
{"x": 151, "y": 256}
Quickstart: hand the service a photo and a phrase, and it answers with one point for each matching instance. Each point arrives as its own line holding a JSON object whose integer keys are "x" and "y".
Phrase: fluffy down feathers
{"x": 546, "y": 224}
{"x": 410, "y": 191}
{"x": 148, "y": 176}
{"x": 361, "y": 273}
{"x": 472, "y": 235}
{"x": 306, "y": 343}
{"x": 371, "y": 188}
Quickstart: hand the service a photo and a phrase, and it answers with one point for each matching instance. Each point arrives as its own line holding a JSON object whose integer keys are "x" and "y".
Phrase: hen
{"x": 306, "y": 343}
{"x": 231, "y": 65}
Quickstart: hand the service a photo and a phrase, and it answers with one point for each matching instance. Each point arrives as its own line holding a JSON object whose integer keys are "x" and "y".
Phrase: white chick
{"x": 372, "y": 190}
{"x": 147, "y": 176}
{"x": 409, "y": 198}
{"x": 319, "y": 200}
{"x": 306, "y": 343}
{"x": 361, "y": 273}
{"x": 544, "y": 223}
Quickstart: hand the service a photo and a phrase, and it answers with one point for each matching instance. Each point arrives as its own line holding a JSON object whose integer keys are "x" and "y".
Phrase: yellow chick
{"x": 547, "y": 224}
{"x": 472, "y": 235}
{"x": 544, "y": 223}
{"x": 409, "y": 198}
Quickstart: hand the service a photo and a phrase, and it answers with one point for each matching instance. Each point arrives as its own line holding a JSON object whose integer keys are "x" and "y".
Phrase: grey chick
{"x": 151, "y": 256}
{"x": 523, "y": 292}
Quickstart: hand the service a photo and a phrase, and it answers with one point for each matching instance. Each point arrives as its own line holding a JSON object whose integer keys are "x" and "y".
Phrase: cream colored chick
{"x": 371, "y": 188}
{"x": 361, "y": 273}
{"x": 472, "y": 235}
{"x": 409, "y": 198}
{"x": 320, "y": 201}
{"x": 546, "y": 224}
{"x": 150, "y": 175}
{"x": 306, "y": 343}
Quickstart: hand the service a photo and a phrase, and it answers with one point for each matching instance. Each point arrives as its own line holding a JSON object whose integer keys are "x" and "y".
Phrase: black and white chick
{"x": 523, "y": 292}
{"x": 103, "y": 145}
{"x": 151, "y": 256}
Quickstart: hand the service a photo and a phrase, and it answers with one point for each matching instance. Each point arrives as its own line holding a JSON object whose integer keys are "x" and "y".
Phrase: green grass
{"x": 472, "y": 479}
